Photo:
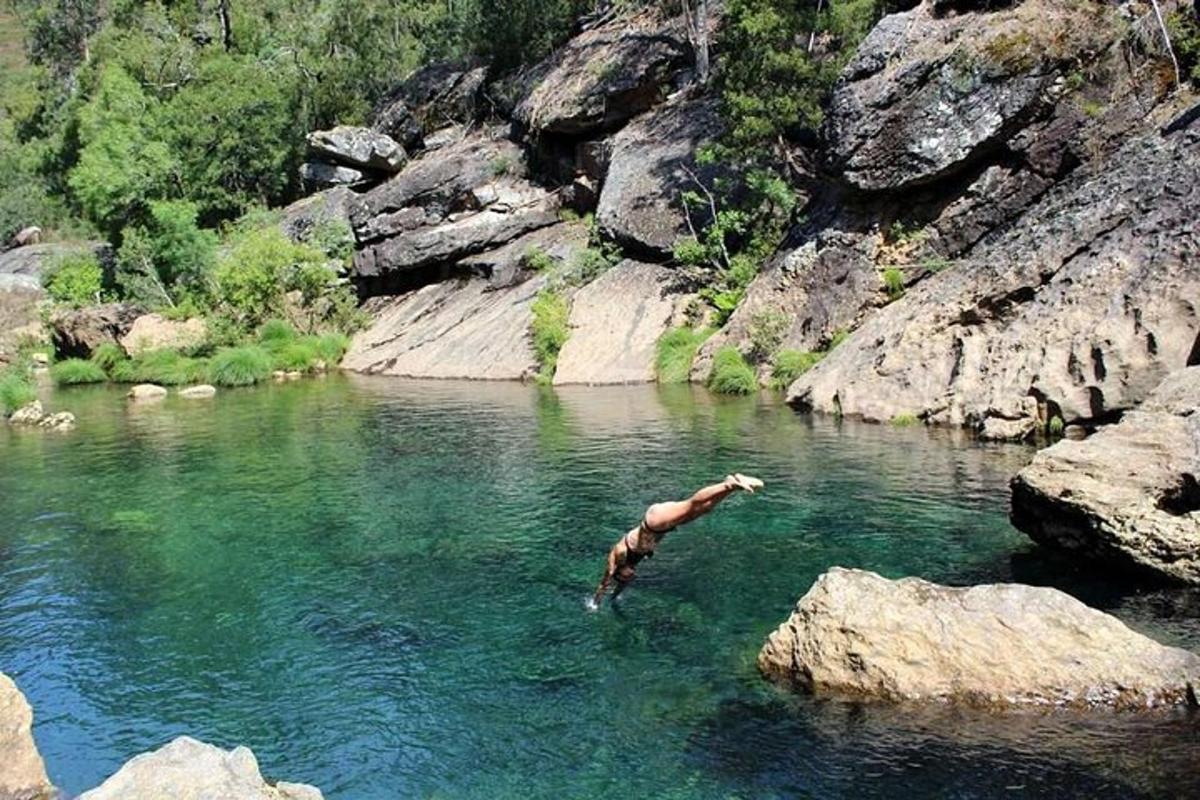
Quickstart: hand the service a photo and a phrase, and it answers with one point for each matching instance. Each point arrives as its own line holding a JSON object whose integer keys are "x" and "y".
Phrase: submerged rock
{"x": 359, "y": 148}
{"x": 187, "y": 768}
{"x": 31, "y": 414}
{"x": 146, "y": 392}
{"x": 1129, "y": 495}
{"x": 998, "y": 645}
{"x": 202, "y": 392}
{"x": 616, "y": 321}
{"x": 77, "y": 333}
{"x": 22, "y": 773}
{"x": 156, "y": 332}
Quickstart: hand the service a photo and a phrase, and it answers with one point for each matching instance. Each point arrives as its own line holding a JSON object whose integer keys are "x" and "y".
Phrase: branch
{"x": 1162, "y": 25}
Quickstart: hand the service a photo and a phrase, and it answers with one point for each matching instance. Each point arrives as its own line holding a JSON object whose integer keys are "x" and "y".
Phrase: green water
{"x": 378, "y": 586}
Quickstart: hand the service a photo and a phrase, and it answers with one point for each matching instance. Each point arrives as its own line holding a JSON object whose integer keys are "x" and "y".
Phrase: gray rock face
{"x": 20, "y": 296}
{"x": 188, "y": 768}
{"x": 437, "y": 95}
{"x": 1129, "y": 495}
{"x": 998, "y": 646}
{"x": 453, "y": 329}
{"x": 33, "y": 259}
{"x": 304, "y": 216}
{"x": 359, "y": 148}
{"x": 320, "y": 175}
{"x": 648, "y": 171}
{"x": 508, "y": 265}
{"x": 76, "y": 333}
{"x": 22, "y": 773}
{"x": 616, "y": 321}
{"x": 1076, "y": 311}
{"x": 926, "y": 94}
{"x": 604, "y": 77}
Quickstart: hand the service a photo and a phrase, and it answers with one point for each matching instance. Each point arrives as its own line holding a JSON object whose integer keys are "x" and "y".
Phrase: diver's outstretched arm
{"x": 610, "y": 569}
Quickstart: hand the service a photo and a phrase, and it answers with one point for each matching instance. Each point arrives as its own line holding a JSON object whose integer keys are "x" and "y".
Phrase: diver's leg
{"x": 663, "y": 516}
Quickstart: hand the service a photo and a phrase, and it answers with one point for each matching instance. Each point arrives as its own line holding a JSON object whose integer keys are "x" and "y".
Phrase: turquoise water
{"x": 378, "y": 586}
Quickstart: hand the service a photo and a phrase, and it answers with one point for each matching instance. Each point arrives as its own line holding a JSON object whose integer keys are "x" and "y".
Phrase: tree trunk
{"x": 226, "y": 25}
{"x": 697, "y": 25}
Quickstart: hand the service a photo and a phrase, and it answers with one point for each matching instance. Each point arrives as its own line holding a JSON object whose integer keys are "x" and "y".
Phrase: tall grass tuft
{"x": 300, "y": 355}
{"x": 15, "y": 391}
{"x": 276, "y": 334}
{"x": 332, "y": 347}
{"x": 108, "y": 355}
{"x": 675, "y": 352}
{"x": 240, "y": 366}
{"x": 165, "y": 367}
{"x": 550, "y": 330}
{"x": 731, "y": 374}
{"x": 76, "y": 371}
{"x": 789, "y": 365}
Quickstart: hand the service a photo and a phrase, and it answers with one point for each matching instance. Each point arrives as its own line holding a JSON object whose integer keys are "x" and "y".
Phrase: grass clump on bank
{"x": 241, "y": 366}
{"x": 77, "y": 371}
{"x": 731, "y": 374}
{"x": 904, "y": 420}
{"x": 16, "y": 391}
{"x": 675, "y": 352}
{"x": 549, "y": 330}
{"x": 791, "y": 364}
{"x": 164, "y": 367}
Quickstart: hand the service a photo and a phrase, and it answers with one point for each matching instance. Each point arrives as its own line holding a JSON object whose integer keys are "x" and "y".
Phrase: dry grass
{"x": 12, "y": 41}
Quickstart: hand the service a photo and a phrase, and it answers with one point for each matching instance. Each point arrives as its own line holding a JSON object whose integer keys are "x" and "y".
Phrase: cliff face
{"x": 1015, "y": 173}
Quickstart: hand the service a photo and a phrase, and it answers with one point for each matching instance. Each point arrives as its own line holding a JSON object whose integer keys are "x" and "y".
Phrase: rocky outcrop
{"x": 33, "y": 259}
{"x": 509, "y": 265}
{"x": 319, "y": 175}
{"x": 76, "y": 333}
{"x": 1001, "y": 645}
{"x": 651, "y": 166}
{"x": 330, "y": 207}
{"x": 359, "y": 148}
{"x": 34, "y": 415}
{"x": 189, "y": 768}
{"x": 928, "y": 93}
{"x": 460, "y": 328}
{"x": 22, "y": 773}
{"x": 616, "y": 321}
{"x": 156, "y": 332}
{"x": 604, "y": 77}
{"x": 1129, "y": 495}
{"x": 436, "y": 96}
{"x": 1077, "y": 314}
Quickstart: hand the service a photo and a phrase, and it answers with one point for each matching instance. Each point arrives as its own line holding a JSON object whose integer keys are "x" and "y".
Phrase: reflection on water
{"x": 377, "y": 585}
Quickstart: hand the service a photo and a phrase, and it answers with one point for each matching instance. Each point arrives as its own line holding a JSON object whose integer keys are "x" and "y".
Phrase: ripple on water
{"x": 378, "y": 586}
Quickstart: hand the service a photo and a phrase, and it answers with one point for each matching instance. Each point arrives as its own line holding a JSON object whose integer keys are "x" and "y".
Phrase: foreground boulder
{"x": 77, "y": 332}
{"x": 1129, "y": 495}
{"x": 187, "y": 768}
{"x": 156, "y": 332}
{"x": 22, "y": 773}
{"x": 999, "y": 645}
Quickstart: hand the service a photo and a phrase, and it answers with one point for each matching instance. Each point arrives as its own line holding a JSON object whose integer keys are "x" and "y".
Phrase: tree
{"x": 166, "y": 258}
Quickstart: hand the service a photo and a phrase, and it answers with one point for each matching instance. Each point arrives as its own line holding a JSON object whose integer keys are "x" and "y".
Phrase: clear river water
{"x": 378, "y": 586}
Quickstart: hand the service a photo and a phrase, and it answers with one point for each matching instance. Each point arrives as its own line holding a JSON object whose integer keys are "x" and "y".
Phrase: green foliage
{"x": 75, "y": 371}
{"x": 75, "y": 279}
{"x": 537, "y": 260}
{"x": 332, "y": 347}
{"x": 167, "y": 258}
{"x": 240, "y": 366}
{"x": 108, "y": 355}
{"x": 675, "y": 352}
{"x": 299, "y": 355}
{"x": 731, "y": 374}
{"x": 1185, "y": 36}
{"x": 1055, "y": 426}
{"x": 838, "y": 337}
{"x": 165, "y": 367}
{"x": 893, "y": 282}
{"x": 789, "y": 365}
{"x": 549, "y": 330}
{"x": 904, "y": 420}
{"x": 260, "y": 267}
{"x": 275, "y": 334}
{"x": 16, "y": 391}
{"x": 767, "y": 329}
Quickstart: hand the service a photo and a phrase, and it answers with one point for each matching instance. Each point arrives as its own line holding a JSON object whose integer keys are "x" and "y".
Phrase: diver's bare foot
{"x": 746, "y": 483}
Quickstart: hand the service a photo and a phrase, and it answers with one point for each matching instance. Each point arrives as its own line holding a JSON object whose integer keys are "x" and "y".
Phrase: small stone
{"x": 293, "y": 375}
{"x": 40, "y": 360}
{"x": 279, "y": 375}
{"x": 201, "y": 392}
{"x": 62, "y": 421}
{"x": 31, "y": 414}
{"x": 147, "y": 392}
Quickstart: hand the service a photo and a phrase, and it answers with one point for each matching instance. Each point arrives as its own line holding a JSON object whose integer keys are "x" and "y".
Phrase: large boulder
{"x": 616, "y": 321}
{"x": 927, "y": 94}
{"x": 1075, "y": 311}
{"x": 510, "y": 264}
{"x": 1129, "y": 495}
{"x": 460, "y": 328}
{"x": 156, "y": 332}
{"x": 22, "y": 773}
{"x": 652, "y": 164}
{"x": 187, "y": 768}
{"x": 32, "y": 260}
{"x": 77, "y": 332}
{"x": 605, "y": 76}
{"x": 1000, "y": 645}
{"x": 435, "y": 96}
{"x": 319, "y": 175}
{"x": 360, "y": 148}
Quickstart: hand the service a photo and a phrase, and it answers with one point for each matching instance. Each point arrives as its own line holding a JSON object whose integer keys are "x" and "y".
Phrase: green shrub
{"x": 168, "y": 257}
{"x": 675, "y": 352}
{"x": 275, "y": 334}
{"x": 731, "y": 374}
{"x": 767, "y": 329}
{"x": 1056, "y": 426}
{"x": 790, "y": 365}
{"x": 76, "y": 279}
{"x": 165, "y": 367}
{"x": 300, "y": 355}
{"x": 108, "y": 355}
{"x": 260, "y": 267}
{"x": 537, "y": 260}
{"x": 75, "y": 371}
{"x": 331, "y": 347}
{"x": 240, "y": 366}
{"x": 15, "y": 391}
{"x": 549, "y": 330}
{"x": 893, "y": 282}
{"x": 904, "y": 420}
